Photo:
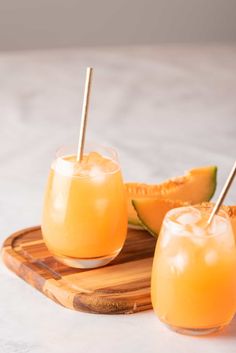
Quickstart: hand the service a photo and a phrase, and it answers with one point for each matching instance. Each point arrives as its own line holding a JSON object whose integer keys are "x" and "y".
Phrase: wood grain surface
{"x": 122, "y": 287}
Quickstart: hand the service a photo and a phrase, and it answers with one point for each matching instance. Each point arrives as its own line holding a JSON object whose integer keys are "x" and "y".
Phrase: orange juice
{"x": 85, "y": 216}
{"x": 194, "y": 272}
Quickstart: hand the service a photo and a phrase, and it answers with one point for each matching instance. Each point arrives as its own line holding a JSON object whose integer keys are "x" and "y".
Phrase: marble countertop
{"x": 166, "y": 109}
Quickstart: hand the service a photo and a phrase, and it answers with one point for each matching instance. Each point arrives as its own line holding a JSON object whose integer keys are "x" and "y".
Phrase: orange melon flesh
{"x": 151, "y": 212}
{"x": 196, "y": 186}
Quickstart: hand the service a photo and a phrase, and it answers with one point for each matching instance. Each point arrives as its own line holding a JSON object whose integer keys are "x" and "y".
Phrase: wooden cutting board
{"x": 122, "y": 287}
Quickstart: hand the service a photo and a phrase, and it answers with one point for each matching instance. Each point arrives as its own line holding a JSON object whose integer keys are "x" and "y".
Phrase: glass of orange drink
{"x": 85, "y": 209}
{"x": 193, "y": 285}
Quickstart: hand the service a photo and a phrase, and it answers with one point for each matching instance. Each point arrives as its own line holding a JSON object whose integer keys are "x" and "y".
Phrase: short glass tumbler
{"x": 85, "y": 209}
{"x": 193, "y": 284}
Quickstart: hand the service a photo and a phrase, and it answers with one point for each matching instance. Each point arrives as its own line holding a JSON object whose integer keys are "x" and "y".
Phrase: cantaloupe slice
{"x": 196, "y": 186}
{"x": 151, "y": 212}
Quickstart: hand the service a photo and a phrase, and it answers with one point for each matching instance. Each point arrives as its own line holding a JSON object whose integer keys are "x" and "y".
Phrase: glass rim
{"x": 90, "y": 145}
{"x": 87, "y": 145}
{"x": 167, "y": 221}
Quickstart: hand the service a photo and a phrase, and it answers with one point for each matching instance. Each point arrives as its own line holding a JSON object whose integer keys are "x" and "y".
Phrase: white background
{"x": 166, "y": 109}
{"x": 33, "y": 24}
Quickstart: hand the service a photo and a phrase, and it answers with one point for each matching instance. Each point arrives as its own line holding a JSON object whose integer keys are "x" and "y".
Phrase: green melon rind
{"x": 137, "y": 225}
{"x": 134, "y": 223}
{"x": 143, "y": 224}
{"x": 214, "y": 183}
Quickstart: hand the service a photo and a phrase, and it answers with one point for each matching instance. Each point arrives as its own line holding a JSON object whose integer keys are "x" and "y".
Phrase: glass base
{"x": 196, "y": 331}
{"x": 86, "y": 263}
